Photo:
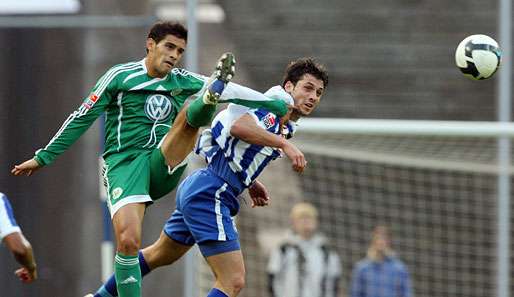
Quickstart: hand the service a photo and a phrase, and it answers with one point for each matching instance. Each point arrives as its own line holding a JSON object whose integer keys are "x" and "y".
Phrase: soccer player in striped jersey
{"x": 148, "y": 134}
{"x": 239, "y": 145}
{"x": 12, "y": 237}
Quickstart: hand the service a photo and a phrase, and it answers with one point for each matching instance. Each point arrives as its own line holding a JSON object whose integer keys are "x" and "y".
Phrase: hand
{"x": 26, "y": 168}
{"x": 296, "y": 156}
{"x": 26, "y": 275}
{"x": 258, "y": 194}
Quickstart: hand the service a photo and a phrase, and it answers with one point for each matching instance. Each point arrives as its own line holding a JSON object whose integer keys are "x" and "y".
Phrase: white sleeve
{"x": 234, "y": 90}
{"x": 8, "y": 224}
{"x": 275, "y": 261}
{"x": 334, "y": 265}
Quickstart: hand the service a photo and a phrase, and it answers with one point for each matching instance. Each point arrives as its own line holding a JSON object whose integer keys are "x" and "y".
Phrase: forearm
{"x": 21, "y": 249}
{"x": 26, "y": 259}
{"x": 74, "y": 126}
{"x": 260, "y": 137}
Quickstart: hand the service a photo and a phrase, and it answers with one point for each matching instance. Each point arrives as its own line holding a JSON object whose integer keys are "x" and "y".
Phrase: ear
{"x": 289, "y": 86}
{"x": 150, "y": 44}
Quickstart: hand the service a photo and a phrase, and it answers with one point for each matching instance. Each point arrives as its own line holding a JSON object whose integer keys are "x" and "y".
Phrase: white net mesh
{"x": 436, "y": 194}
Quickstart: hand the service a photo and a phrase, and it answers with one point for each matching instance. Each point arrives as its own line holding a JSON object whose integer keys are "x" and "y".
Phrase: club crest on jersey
{"x": 269, "y": 120}
{"x": 176, "y": 92}
{"x": 90, "y": 101}
{"x": 158, "y": 107}
{"x": 116, "y": 193}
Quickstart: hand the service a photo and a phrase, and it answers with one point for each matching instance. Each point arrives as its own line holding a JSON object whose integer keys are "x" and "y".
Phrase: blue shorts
{"x": 205, "y": 207}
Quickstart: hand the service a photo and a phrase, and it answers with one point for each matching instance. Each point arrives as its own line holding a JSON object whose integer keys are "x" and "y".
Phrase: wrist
{"x": 282, "y": 143}
{"x": 39, "y": 161}
{"x": 31, "y": 267}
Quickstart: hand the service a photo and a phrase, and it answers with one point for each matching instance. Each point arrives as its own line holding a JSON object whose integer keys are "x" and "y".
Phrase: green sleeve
{"x": 79, "y": 120}
{"x": 191, "y": 85}
{"x": 238, "y": 94}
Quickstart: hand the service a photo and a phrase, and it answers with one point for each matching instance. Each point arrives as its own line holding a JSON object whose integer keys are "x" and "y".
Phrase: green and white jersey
{"x": 139, "y": 110}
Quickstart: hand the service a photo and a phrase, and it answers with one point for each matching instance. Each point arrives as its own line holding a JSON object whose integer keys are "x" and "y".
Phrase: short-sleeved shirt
{"x": 8, "y": 223}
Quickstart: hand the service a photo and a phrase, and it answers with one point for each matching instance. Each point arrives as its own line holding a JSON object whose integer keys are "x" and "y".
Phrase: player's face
{"x": 163, "y": 56}
{"x": 306, "y": 93}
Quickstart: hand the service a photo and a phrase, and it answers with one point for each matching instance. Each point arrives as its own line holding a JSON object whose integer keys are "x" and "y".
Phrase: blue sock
{"x": 109, "y": 288}
{"x": 216, "y": 293}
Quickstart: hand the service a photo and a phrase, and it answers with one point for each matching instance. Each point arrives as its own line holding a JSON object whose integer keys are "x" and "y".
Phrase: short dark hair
{"x": 298, "y": 68}
{"x": 159, "y": 31}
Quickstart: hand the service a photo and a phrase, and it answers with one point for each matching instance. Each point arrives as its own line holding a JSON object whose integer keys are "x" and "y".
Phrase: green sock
{"x": 200, "y": 114}
{"x": 128, "y": 275}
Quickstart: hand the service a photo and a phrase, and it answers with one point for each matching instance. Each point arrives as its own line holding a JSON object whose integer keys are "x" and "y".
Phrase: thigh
{"x": 163, "y": 179}
{"x": 164, "y": 251}
{"x": 227, "y": 265}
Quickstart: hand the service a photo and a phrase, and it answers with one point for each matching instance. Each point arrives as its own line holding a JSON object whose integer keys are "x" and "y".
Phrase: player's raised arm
{"x": 75, "y": 125}
{"x": 247, "y": 129}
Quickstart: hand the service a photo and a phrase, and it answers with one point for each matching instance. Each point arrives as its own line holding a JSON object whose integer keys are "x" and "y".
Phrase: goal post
{"x": 406, "y": 127}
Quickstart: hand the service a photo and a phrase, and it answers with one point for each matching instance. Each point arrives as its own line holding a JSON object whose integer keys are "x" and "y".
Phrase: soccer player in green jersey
{"x": 148, "y": 134}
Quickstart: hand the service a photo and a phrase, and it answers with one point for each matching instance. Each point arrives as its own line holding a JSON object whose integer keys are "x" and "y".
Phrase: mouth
{"x": 309, "y": 105}
{"x": 170, "y": 64}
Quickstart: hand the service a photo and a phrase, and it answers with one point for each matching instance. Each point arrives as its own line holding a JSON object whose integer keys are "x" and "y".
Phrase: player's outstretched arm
{"x": 26, "y": 168}
{"x": 246, "y": 129}
{"x": 22, "y": 251}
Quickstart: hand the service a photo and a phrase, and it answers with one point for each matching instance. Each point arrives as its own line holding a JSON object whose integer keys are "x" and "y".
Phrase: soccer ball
{"x": 478, "y": 56}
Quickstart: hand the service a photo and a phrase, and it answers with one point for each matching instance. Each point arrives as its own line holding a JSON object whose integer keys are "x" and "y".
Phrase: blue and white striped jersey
{"x": 231, "y": 156}
{"x": 8, "y": 224}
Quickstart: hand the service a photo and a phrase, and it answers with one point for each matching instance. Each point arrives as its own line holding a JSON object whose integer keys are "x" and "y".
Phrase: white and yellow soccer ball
{"x": 478, "y": 56}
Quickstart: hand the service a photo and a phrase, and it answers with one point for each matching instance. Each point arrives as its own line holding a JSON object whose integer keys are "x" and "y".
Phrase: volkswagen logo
{"x": 158, "y": 107}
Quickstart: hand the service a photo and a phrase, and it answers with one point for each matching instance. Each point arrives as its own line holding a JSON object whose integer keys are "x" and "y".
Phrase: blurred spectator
{"x": 11, "y": 236}
{"x": 303, "y": 265}
{"x": 381, "y": 273}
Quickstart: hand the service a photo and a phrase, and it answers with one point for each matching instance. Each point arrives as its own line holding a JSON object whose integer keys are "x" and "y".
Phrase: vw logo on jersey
{"x": 158, "y": 107}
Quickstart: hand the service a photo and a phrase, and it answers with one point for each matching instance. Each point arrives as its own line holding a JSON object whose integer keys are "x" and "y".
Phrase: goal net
{"x": 437, "y": 194}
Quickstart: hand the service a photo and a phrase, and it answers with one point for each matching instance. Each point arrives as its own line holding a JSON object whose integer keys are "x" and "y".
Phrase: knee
{"x": 237, "y": 283}
{"x": 128, "y": 242}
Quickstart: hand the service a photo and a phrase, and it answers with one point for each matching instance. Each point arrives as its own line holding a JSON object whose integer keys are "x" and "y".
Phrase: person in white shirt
{"x": 304, "y": 264}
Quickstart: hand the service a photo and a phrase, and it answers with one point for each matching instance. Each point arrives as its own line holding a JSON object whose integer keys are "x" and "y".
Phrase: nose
{"x": 313, "y": 98}
{"x": 174, "y": 54}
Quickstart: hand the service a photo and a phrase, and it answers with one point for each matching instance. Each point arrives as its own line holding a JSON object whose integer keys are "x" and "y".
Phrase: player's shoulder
{"x": 124, "y": 69}
{"x": 363, "y": 265}
{"x": 181, "y": 73}
{"x": 3, "y": 197}
{"x": 397, "y": 263}
{"x": 5, "y": 205}
{"x": 120, "y": 71}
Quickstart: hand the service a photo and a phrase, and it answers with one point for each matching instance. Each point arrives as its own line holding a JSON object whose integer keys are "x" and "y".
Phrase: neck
{"x": 151, "y": 71}
{"x": 305, "y": 236}
{"x": 295, "y": 116}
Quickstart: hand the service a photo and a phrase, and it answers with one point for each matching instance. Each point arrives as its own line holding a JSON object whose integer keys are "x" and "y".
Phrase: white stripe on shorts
{"x": 219, "y": 217}
{"x": 128, "y": 200}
